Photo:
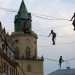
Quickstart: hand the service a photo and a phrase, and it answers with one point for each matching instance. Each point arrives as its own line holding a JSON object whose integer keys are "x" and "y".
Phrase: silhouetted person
{"x": 60, "y": 61}
{"x": 53, "y": 36}
{"x": 73, "y": 17}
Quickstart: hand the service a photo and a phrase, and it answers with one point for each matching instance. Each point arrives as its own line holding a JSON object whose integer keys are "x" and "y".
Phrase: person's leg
{"x": 53, "y": 39}
{"x": 60, "y": 64}
{"x": 74, "y": 24}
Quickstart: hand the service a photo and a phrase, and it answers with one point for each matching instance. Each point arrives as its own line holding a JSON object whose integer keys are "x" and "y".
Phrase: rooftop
{"x": 63, "y": 72}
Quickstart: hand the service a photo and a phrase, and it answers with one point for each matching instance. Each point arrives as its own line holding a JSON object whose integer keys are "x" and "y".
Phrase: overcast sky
{"x": 65, "y": 45}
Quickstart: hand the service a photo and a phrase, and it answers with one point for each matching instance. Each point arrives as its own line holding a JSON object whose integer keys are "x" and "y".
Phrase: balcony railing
{"x": 23, "y": 57}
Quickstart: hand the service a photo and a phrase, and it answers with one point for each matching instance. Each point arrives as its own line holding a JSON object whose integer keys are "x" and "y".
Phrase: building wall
{"x": 6, "y": 49}
{"x": 33, "y": 64}
{"x": 6, "y": 67}
{"x": 0, "y": 65}
{"x": 31, "y": 67}
{"x": 10, "y": 70}
{"x": 24, "y": 41}
{"x": 7, "y": 63}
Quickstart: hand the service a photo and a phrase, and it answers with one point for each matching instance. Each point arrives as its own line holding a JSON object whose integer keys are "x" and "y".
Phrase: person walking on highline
{"x": 53, "y": 36}
{"x": 60, "y": 61}
{"x": 73, "y": 17}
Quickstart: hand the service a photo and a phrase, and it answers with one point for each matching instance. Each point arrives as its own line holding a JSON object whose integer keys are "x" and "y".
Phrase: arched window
{"x": 16, "y": 53}
{"x": 27, "y": 53}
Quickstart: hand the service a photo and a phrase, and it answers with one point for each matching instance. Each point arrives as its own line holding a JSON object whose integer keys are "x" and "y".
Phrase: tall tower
{"x": 24, "y": 42}
{"x": 22, "y": 19}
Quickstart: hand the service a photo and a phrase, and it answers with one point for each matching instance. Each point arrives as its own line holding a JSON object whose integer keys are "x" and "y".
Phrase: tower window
{"x": 28, "y": 40}
{"x": 17, "y": 53}
{"x": 29, "y": 67}
{"x": 34, "y": 42}
{"x": 27, "y": 53}
{"x": 16, "y": 41}
{"x": 35, "y": 52}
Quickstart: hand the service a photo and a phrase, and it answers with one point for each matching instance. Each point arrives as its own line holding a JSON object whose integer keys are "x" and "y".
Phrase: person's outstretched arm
{"x": 72, "y": 18}
{"x": 49, "y": 34}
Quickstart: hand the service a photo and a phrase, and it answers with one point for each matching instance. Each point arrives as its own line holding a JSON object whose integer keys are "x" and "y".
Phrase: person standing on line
{"x": 53, "y": 36}
{"x": 60, "y": 61}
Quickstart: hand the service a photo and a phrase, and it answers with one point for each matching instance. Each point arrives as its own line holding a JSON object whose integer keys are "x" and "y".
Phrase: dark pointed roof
{"x": 22, "y": 8}
{"x": 21, "y": 17}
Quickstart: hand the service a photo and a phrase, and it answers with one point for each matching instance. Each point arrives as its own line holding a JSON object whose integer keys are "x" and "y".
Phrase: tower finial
{"x": 22, "y": 8}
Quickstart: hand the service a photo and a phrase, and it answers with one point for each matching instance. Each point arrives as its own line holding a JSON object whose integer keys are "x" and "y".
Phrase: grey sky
{"x": 56, "y": 8}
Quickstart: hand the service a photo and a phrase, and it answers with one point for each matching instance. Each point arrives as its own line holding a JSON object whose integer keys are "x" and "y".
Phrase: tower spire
{"x": 23, "y": 19}
{"x": 22, "y": 8}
